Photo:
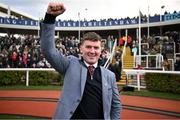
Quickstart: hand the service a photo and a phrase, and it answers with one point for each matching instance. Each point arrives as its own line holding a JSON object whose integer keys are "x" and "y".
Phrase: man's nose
{"x": 92, "y": 50}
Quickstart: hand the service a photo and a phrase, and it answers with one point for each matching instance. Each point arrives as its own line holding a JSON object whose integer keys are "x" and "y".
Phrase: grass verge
{"x": 146, "y": 93}
{"x": 50, "y": 87}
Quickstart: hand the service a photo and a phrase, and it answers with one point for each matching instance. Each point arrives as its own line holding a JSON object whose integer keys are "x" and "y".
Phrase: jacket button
{"x": 78, "y": 100}
{"x": 71, "y": 112}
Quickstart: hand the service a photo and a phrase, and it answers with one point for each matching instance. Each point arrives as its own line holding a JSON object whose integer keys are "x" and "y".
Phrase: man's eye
{"x": 88, "y": 46}
{"x": 96, "y": 48}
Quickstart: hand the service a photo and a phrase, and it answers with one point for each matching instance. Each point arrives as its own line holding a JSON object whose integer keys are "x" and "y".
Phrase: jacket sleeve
{"x": 53, "y": 56}
{"x": 116, "y": 103}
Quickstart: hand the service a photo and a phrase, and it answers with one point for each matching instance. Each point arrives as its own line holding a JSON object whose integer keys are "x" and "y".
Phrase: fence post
{"x": 138, "y": 81}
{"x": 27, "y": 77}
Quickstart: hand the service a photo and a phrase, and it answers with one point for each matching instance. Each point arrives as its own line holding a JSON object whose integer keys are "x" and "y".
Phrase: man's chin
{"x": 91, "y": 61}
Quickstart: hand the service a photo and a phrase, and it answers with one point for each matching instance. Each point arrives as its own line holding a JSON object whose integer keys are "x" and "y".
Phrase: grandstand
{"x": 159, "y": 51}
{"x": 7, "y": 11}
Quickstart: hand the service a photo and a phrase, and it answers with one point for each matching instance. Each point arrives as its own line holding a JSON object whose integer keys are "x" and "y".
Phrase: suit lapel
{"x": 104, "y": 83}
{"x": 83, "y": 78}
{"x": 104, "y": 90}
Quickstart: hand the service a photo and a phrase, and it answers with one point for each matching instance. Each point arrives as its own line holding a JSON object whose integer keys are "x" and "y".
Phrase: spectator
{"x": 166, "y": 64}
{"x": 134, "y": 51}
{"x": 177, "y": 64}
{"x": 14, "y": 59}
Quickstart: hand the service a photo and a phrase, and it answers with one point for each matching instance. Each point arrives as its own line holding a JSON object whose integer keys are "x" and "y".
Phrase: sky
{"x": 95, "y": 9}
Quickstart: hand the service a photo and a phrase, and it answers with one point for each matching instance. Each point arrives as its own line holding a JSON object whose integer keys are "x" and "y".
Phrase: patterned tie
{"x": 91, "y": 71}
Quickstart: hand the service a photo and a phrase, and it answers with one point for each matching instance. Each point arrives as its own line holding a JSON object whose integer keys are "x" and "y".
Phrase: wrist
{"x": 49, "y": 18}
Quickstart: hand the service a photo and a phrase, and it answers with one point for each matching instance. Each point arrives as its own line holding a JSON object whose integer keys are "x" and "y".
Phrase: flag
{"x": 162, "y": 6}
{"x": 140, "y": 14}
{"x": 143, "y": 18}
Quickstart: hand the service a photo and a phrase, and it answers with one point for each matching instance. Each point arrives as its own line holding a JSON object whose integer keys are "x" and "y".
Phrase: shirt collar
{"x": 94, "y": 65}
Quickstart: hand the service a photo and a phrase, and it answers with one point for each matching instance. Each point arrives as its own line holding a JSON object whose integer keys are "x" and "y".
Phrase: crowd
{"x": 166, "y": 45}
{"x": 25, "y": 52}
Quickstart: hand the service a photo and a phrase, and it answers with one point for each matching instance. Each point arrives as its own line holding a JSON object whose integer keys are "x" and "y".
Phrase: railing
{"x": 139, "y": 73}
{"x": 109, "y": 60}
{"x": 27, "y": 71}
{"x": 157, "y": 58}
{"x": 177, "y": 55}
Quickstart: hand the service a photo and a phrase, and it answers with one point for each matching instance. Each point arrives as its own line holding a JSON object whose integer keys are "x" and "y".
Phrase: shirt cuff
{"x": 49, "y": 19}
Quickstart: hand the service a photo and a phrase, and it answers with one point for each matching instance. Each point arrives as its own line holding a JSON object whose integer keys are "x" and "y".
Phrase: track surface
{"x": 42, "y": 103}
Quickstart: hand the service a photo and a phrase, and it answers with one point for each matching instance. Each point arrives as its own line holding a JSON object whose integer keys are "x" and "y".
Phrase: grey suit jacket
{"x": 75, "y": 78}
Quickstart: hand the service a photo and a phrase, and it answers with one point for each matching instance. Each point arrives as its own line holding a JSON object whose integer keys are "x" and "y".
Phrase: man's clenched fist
{"x": 55, "y": 8}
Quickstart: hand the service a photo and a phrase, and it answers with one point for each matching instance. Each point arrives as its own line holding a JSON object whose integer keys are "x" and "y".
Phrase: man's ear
{"x": 80, "y": 48}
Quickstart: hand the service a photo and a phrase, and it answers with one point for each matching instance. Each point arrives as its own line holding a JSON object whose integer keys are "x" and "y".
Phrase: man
{"x": 86, "y": 94}
{"x": 177, "y": 64}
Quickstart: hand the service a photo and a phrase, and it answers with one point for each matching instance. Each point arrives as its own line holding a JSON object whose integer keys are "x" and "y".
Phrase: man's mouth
{"x": 91, "y": 57}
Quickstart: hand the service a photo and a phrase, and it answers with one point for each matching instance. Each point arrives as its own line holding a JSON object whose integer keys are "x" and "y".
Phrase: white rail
{"x": 158, "y": 58}
{"x": 142, "y": 72}
{"x": 109, "y": 60}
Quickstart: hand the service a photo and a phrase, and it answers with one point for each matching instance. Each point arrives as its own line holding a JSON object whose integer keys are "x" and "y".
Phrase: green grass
{"x": 19, "y": 117}
{"x": 146, "y": 93}
{"x": 50, "y": 87}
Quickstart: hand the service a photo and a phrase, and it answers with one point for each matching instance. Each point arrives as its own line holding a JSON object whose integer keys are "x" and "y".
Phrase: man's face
{"x": 91, "y": 51}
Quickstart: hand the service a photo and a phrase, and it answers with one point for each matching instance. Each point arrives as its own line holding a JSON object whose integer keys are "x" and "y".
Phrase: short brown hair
{"x": 92, "y": 36}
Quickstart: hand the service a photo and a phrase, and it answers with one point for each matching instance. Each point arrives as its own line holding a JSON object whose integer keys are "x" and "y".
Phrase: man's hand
{"x": 55, "y": 8}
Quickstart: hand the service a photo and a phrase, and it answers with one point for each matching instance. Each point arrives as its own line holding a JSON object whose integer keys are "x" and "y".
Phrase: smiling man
{"x": 91, "y": 47}
{"x": 90, "y": 90}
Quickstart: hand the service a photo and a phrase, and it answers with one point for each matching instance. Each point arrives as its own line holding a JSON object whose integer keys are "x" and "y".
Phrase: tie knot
{"x": 91, "y": 69}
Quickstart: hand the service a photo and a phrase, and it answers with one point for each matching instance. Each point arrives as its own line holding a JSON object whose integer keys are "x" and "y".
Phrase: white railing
{"x": 27, "y": 71}
{"x": 138, "y": 73}
{"x": 158, "y": 59}
{"x": 176, "y": 55}
{"x": 109, "y": 60}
